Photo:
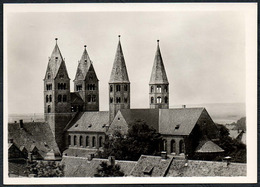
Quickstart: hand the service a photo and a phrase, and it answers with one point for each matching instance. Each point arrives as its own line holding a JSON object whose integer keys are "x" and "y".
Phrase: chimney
{"x": 10, "y": 140}
{"x": 21, "y": 123}
{"x": 112, "y": 160}
{"x": 183, "y": 106}
{"x": 164, "y": 155}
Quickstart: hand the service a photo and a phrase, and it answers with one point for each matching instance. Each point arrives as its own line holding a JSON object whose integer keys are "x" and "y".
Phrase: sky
{"x": 203, "y": 53}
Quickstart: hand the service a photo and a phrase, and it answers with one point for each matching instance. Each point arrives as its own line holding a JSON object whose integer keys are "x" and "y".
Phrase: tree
{"x": 140, "y": 139}
{"x": 106, "y": 170}
{"x": 45, "y": 169}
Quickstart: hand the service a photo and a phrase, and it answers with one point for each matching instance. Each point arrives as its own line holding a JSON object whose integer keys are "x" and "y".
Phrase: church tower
{"x": 158, "y": 85}
{"x": 119, "y": 85}
{"x": 57, "y": 105}
{"x": 86, "y": 83}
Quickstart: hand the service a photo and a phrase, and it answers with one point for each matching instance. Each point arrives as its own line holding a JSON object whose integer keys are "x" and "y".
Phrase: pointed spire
{"x": 119, "y": 71}
{"x": 158, "y": 75}
{"x": 83, "y": 65}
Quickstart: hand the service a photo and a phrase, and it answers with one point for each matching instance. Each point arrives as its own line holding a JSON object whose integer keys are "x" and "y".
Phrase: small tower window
{"x": 166, "y": 88}
{"x": 152, "y": 100}
{"x": 111, "y": 99}
{"x": 47, "y": 98}
{"x": 80, "y": 141}
{"x": 75, "y": 140}
{"x": 87, "y": 141}
{"x": 125, "y": 87}
{"x": 159, "y": 89}
{"x": 118, "y": 100}
{"x": 49, "y": 76}
{"x": 64, "y": 98}
{"x": 118, "y": 88}
{"x": 56, "y": 58}
{"x": 61, "y": 76}
{"x": 48, "y": 86}
{"x": 90, "y": 77}
{"x": 69, "y": 139}
{"x": 111, "y": 88}
{"x": 79, "y": 87}
{"x": 50, "y": 98}
{"x": 93, "y": 141}
{"x": 93, "y": 98}
{"x": 125, "y": 100}
{"x": 159, "y": 99}
{"x": 59, "y": 87}
{"x": 100, "y": 141}
{"x": 89, "y": 98}
{"x": 59, "y": 98}
{"x": 166, "y": 99}
{"x": 151, "y": 89}
{"x": 49, "y": 109}
{"x": 64, "y": 86}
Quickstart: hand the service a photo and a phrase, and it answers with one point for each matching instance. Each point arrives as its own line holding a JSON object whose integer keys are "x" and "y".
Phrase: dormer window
{"x": 177, "y": 127}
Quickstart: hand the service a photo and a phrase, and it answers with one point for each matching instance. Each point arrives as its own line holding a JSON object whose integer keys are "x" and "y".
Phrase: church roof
{"x": 119, "y": 71}
{"x": 179, "y": 121}
{"x": 91, "y": 121}
{"x": 83, "y": 66}
{"x": 158, "y": 75}
{"x": 208, "y": 146}
{"x": 55, "y": 61}
{"x": 75, "y": 98}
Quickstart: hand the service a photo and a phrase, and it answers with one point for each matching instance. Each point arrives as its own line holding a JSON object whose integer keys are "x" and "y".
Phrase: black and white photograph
{"x": 130, "y": 93}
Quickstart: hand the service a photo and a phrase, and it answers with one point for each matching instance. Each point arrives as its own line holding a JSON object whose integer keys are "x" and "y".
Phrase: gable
{"x": 62, "y": 72}
{"x": 91, "y": 74}
{"x": 119, "y": 124}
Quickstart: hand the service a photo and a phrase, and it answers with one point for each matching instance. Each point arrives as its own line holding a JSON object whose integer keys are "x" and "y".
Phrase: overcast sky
{"x": 203, "y": 53}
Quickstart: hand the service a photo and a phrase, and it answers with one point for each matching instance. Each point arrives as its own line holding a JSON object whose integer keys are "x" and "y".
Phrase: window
{"x": 125, "y": 87}
{"x": 80, "y": 141}
{"x": 64, "y": 86}
{"x": 111, "y": 88}
{"x": 50, "y": 98}
{"x": 93, "y": 98}
{"x": 151, "y": 89}
{"x": 75, "y": 140}
{"x": 118, "y": 88}
{"x": 166, "y": 99}
{"x": 90, "y": 77}
{"x": 49, "y": 109}
{"x": 173, "y": 146}
{"x": 91, "y": 87}
{"x": 100, "y": 141}
{"x": 177, "y": 127}
{"x": 59, "y": 98}
{"x": 79, "y": 87}
{"x": 49, "y": 76}
{"x": 61, "y": 76}
{"x": 164, "y": 145}
{"x": 56, "y": 58}
{"x": 58, "y": 86}
{"x": 87, "y": 141}
{"x": 93, "y": 141}
{"x": 47, "y": 98}
{"x": 181, "y": 147}
{"x": 166, "y": 88}
{"x": 48, "y": 86}
{"x": 159, "y": 100}
{"x": 118, "y": 100}
{"x": 111, "y": 99}
{"x": 152, "y": 100}
{"x": 69, "y": 140}
{"x": 64, "y": 98}
{"x": 89, "y": 98}
{"x": 125, "y": 100}
{"x": 159, "y": 89}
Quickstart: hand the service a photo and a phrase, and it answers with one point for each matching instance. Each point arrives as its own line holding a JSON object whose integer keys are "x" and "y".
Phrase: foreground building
{"x": 75, "y": 126}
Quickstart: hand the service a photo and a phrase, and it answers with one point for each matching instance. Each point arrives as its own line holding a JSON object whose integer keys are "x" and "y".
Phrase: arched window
{"x": 61, "y": 86}
{"x": 93, "y": 98}
{"x": 125, "y": 87}
{"x": 64, "y": 86}
{"x": 166, "y": 99}
{"x": 111, "y": 99}
{"x": 50, "y": 98}
{"x": 159, "y": 89}
{"x": 100, "y": 141}
{"x": 94, "y": 87}
{"x": 173, "y": 146}
{"x": 125, "y": 100}
{"x": 166, "y": 88}
{"x": 118, "y": 88}
{"x": 64, "y": 98}
{"x": 47, "y": 98}
{"x": 49, "y": 108}
{"x": 89, "y": 98}
{"x": 59, "y": 98}
{"x": 69, "y": 139}
{"x": 111, "y": 88}
{"x": 164, "y": 145}
{"x": 75, "y": 140}
{"x": 159, "y": 100}
{"x": 80, "y": 141}
{"x": 152, "y": 99}
{"x": 49, "y": 76}
{"x": 93, "y": 141}
{"x": 87, "y": 141}
{"x": 151, "y": 89}
{"x": 181, "y": 146}
{"x": 118, "y": 100}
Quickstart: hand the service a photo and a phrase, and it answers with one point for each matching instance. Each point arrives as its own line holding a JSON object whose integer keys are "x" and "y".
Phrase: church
{"x": 78, "y": 128}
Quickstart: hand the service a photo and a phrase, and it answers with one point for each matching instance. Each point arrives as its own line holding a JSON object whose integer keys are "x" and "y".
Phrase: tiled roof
{"x": 91, "y": 121}
{"x": 208, "y": 146}
{"x": 197, "y": 168}
{"x": 119, "y": 71}
{"x": 55, "y": 61}
{"x": 158, "y": 75}
{"x": 178, "y": 121}
{"x": 75, "y": 98}
{"x": 83, "y": 66}
{"x": 79, "y": 152}
{"x": 33, "y": 133}
{"x": 82, "y": 167}
{"x": 150, "y": 116}
{"x": 151, "y": 166}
